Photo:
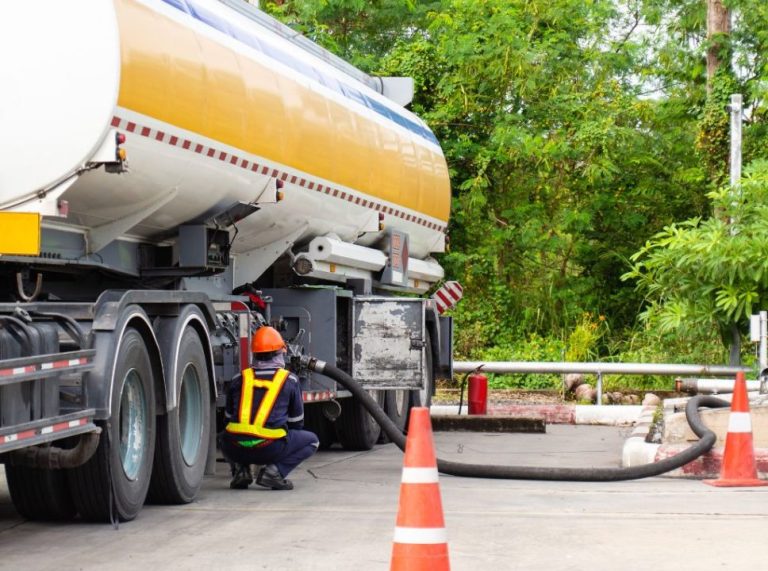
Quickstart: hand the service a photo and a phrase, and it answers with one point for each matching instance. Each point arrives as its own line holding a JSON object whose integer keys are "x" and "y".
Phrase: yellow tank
{"x": 215, "y": 108}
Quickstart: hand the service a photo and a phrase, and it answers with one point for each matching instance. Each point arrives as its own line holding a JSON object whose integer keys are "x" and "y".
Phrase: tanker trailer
{"x": 173, "y": 174}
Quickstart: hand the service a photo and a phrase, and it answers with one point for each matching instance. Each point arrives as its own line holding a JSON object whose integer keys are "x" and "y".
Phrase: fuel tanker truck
{"x": 173, "y": 175}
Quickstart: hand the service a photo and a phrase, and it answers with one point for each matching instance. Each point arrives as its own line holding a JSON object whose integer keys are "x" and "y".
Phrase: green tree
{"x": 573, "y": 131}
{"x": 709, "y": 272}
{"x": 700, "y": 49}
{"x": 558, "y": 163}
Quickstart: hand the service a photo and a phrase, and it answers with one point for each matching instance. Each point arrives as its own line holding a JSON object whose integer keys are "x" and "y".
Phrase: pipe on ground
{"x": 710, "y": 386}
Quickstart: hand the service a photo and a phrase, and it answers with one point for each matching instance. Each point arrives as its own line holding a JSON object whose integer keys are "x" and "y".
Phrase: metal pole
{"x": 735, "y": 140}
{"x": 735, "y": 353}
{"x": 599, "y": 388}
{"x": 763, "y": 352}
{"x": 763, "y": 355}
{"x": 708, "y": 386}
{"x": 602, "y": 368}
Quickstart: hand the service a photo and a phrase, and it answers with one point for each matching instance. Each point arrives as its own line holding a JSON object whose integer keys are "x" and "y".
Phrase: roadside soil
{"x": 450, "y": 396}
{"x": 501, "y": 397}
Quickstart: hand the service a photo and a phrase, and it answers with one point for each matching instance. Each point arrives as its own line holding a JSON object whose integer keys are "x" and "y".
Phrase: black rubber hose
{"x": 706, "y": 442}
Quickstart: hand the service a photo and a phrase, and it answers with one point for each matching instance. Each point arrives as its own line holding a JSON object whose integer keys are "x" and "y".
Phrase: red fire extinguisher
{"x": 478, "y": 394}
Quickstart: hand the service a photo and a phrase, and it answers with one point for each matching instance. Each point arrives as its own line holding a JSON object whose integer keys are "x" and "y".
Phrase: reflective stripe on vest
{"x": 257, "y": 428}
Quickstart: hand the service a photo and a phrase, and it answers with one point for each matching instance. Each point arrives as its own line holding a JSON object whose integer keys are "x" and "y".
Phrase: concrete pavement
{"x": 341, "y": 516}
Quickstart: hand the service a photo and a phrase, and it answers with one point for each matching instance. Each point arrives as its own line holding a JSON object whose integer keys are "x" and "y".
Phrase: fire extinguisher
{"x": 477, "y": 396}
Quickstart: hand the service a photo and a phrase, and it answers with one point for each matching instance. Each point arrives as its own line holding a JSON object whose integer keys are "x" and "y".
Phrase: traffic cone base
{"x": 740, "y": 483}
{"x": 420, "y": 557}
{"x": 739, "y": 469}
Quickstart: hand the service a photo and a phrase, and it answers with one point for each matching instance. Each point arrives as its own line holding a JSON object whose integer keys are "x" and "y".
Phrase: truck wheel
{"x": 39, "y": 494}
{"x": 315, "y": 421}
{"x": 356, "y": 428}
{"x": 114, "y": 482}
{"x": 396, "y": 405}
{"x": 423, "y": 397}
{"x": 182, "y": 434}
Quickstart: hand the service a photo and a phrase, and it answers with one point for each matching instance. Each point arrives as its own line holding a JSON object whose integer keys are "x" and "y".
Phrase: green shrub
{"x": 534, "y": 348}
{"x": 645, "y": 345}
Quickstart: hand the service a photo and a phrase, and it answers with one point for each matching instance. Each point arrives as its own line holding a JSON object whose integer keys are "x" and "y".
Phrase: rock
{"x": 585, "y": 393}
{"x": 630, "y": 399}
{"x": 573, "y": 380}
{"x": 651, "y": 399}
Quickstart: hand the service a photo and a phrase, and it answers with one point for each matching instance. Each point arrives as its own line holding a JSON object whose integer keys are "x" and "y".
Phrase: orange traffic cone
{"x": 420, "y": 542}
{"x": 739, "y": 468}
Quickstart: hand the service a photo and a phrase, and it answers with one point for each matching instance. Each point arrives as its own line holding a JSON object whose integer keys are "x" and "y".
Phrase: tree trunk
{"x": 718, "y": 22}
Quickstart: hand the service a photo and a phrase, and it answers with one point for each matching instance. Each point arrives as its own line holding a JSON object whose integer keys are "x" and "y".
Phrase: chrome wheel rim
{"x": 132, "y": 425}
{"x": 190, "y": 414}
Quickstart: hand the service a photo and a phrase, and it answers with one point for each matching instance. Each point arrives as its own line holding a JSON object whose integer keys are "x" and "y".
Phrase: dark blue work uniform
{"x": 265, "y": 415}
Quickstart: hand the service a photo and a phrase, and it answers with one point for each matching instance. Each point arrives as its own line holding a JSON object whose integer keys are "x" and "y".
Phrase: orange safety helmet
{"x": 266, "y": 340}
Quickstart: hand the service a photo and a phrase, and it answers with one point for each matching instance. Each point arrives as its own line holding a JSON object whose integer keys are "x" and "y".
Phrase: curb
{"x": 637, "y": 451}
{"x": 605, "y": 415}
{"x": 707, "y": 465}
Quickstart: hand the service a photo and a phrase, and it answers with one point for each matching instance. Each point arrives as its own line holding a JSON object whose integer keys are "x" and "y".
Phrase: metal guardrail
{"x": 598, "y": 369}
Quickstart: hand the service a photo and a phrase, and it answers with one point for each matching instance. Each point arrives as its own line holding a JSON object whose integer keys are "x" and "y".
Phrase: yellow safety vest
{"x": 256, "y": 427}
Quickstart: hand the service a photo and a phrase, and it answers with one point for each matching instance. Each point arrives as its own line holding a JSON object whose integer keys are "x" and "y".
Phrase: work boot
{"x": 270, "y": 477}
{"x": 241, "y": 477}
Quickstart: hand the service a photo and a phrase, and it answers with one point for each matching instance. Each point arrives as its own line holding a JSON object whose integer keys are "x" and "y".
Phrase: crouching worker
{"x": 265, "y": 415}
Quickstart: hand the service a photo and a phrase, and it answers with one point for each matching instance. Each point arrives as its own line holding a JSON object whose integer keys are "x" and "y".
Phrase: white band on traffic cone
{"x": 740, "y": 422}
{"x": 419, "y": 476}
{"x": 421, "y": 535}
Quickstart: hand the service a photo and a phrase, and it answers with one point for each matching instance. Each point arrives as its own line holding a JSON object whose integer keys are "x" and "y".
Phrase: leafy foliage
{"x": 577, "y": 132}
{"x": 701, "y": 273}
{"x": 557, "y": 162}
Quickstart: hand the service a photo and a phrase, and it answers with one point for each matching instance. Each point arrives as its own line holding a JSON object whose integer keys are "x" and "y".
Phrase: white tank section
{"x": 61, "y": 69}
{"x": 192, "y": 97}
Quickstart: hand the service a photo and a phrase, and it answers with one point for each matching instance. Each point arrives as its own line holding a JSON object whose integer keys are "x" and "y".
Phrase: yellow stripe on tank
{"x": 173, "y": 74}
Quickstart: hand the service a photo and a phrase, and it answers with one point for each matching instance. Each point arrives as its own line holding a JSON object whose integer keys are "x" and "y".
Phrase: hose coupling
{"x": 312, "y": 364}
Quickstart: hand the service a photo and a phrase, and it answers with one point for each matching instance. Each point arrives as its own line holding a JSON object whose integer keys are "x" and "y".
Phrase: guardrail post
{"x": 599, "y": 388}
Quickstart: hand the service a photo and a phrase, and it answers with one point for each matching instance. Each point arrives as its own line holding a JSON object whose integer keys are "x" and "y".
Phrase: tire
{"x": 396, "y": 405}
{"x": 356, "y": 428}
{"x": 183, "y": 433}
{"x": 40, "y": 495}
{"x": 315, "y": 421}
{"x": 423, "y": 397}
{"x": 119, "y": 471}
